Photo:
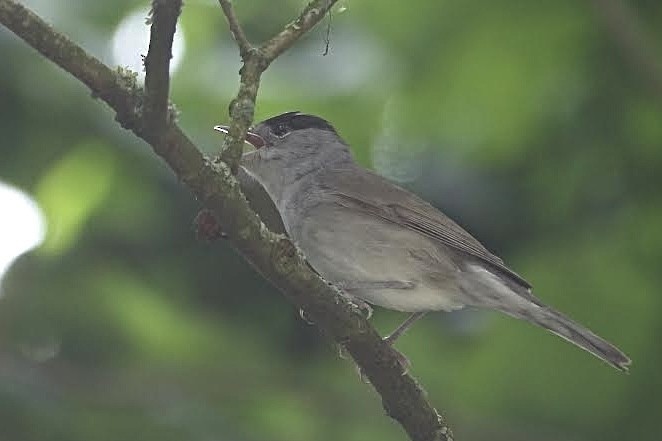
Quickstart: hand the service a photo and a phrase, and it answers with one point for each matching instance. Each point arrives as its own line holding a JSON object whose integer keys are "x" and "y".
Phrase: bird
{"x": 382, "y": 244}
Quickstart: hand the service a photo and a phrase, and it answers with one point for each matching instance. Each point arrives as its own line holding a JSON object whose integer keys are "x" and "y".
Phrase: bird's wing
{"x": 373, "y": 194}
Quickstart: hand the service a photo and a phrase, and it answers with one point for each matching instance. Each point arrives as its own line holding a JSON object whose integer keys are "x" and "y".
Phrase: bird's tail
{"x": 575, "y": 333}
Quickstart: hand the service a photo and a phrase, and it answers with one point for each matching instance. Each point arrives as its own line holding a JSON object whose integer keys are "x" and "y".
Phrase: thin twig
{"x": 309, "y": 17}
{"x": 245, "y": 46}
{"x": 327, "y": 35}
{"x": 163, "y": 17}
{"x": 273, "y": 255}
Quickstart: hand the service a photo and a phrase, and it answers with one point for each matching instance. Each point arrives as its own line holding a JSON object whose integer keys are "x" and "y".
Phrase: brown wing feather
{"x": 389, "y": 202}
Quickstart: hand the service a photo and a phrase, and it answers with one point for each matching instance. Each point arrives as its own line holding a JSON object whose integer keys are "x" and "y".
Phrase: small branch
{"x": 637, "y": 48}
{"x": 242, "y": 108}
{"x": 256, "y": 61}
{"x": 309, "y": 17}
{"x": 273, "y": 255}
{"x": 242, "y": 111}
{"x": 163, "y": 17}
{"x": 238, "y": 34}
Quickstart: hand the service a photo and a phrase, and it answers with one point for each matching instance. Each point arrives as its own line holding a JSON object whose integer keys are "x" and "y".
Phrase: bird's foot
{"x": 304, "y": 317}
{"x": 362, "y": 375}
{"x": 363, "y": 307}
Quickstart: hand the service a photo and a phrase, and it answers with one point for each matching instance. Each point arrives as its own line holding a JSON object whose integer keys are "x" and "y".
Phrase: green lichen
{"x": 128, "y": 78}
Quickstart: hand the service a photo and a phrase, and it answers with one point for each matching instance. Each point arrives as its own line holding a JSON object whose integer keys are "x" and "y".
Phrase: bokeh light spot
{"x": 21, "y": 225}
{"x": 71, "y": 192}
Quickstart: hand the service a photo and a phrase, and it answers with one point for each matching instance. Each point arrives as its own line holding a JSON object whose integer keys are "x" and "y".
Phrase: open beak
{"x": 252, "y": 138}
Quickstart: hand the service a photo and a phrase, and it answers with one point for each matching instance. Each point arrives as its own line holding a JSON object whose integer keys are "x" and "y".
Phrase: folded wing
{"x": 383, "y": 199}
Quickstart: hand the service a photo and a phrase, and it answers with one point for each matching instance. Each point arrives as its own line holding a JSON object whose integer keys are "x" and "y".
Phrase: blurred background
{"x": 536, "y": 125}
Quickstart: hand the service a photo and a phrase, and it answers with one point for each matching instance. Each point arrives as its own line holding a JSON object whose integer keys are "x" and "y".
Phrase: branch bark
{"x": 256, "y": 61}
{"x": 163, "y": 17}
{"x": 214, "y": 184}
{"x": 238, "y": 34}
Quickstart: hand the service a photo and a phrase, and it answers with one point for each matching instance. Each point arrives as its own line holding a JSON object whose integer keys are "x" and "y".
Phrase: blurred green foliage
{"x": 522, "y": 120}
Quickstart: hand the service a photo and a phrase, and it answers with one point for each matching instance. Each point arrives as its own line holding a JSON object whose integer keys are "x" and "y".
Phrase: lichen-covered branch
{"x": 273, "y": 255}
{"x": 256, "y": 61}
{"x": 242, "y": 110}
{"x": 163, "y": 18}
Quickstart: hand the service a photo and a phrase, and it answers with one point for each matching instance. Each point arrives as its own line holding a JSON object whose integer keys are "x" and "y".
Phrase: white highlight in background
{"x": 131, "y": 42}
{"x": 22, "y": 225}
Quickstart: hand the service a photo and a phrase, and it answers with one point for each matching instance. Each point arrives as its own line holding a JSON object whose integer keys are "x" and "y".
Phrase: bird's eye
{"x": 280, "y": 130}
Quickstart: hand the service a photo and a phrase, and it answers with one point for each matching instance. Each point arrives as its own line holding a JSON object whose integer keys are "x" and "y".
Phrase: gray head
{"x": 289, "y": 147}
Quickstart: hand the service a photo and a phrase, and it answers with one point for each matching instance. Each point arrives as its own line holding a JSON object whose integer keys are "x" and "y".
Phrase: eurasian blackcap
{"x": 382, "y": 244}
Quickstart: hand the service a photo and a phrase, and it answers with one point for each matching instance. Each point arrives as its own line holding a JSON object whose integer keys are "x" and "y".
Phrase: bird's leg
{"x": 390, "y": 339}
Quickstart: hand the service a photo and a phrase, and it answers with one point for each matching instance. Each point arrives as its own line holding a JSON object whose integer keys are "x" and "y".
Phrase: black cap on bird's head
{"x": 291, "y": 121}
{"x": 276, "y": 128}
{"x": 289, "y": 148}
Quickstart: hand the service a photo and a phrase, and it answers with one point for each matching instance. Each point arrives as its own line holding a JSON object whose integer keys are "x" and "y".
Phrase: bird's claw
{"x": 304, "y": 317}
{"x": 363, "y": 307}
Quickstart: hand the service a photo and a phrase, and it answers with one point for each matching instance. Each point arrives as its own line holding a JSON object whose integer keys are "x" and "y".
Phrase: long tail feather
{"x": 487, "y": 289}
{"x": 575, "y": 333}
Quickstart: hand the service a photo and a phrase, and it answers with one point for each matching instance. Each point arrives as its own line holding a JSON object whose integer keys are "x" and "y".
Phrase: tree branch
{"x": 242, "y": 110}
{"x": 245, "y": 47}
{"x": 273, "y": 255}
{"x": 311, "y": 15}
{"x": 163, "y": 17}
{"x": 256, "y": 61}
